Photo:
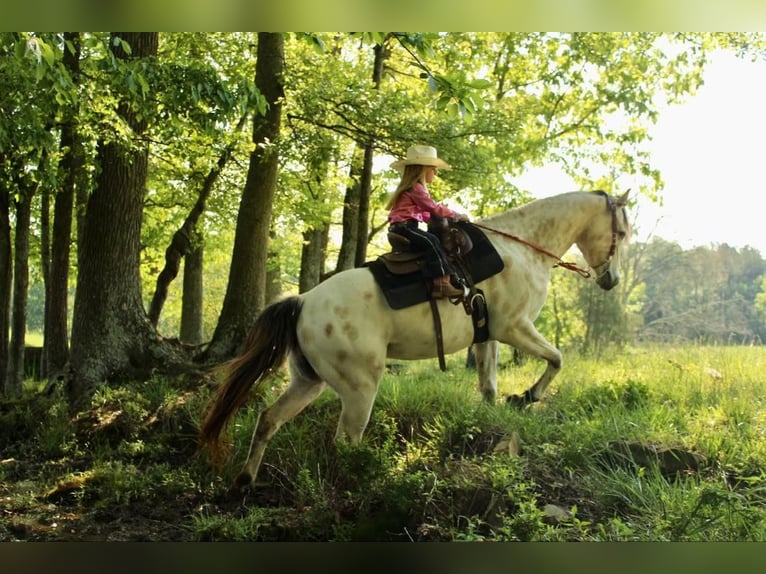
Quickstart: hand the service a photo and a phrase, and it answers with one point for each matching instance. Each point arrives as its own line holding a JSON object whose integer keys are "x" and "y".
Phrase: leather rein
{"x": 559, "y": 262}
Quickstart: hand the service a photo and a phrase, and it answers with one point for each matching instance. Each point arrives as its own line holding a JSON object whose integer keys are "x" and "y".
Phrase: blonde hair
{"x": 412, "y": 174}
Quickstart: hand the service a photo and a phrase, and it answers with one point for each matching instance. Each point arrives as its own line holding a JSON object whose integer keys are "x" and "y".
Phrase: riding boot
{"x": 442, "y": 288}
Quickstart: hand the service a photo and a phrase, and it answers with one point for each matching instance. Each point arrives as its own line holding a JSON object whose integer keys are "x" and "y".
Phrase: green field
{"x": 649, "y": 444}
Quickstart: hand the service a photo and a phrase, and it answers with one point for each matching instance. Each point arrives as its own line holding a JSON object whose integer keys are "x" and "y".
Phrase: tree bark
{"x": 57, "y": 291}
{"x": 246, "y": 290}
{"x": 5, "y": 278}
{"x": 348, "y": 245}
{"x": 45, "y": 264}
{"x": 315, "y": 237}
{"x": 313, "y": 257}
{"x": 365, "y": 188}
{"x": 273, "y": 274}
{"x": 192, "y": 325}
{"x": 111, "y": 335}
{"x": 15, "y": 380}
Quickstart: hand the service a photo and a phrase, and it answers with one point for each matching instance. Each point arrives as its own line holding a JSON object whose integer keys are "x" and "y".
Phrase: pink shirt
{"x": 417, "y": 204}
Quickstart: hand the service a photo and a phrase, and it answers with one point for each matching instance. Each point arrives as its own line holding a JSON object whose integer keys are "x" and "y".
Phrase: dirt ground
{"x": 46, "y": 498}
{"x": 30, "y": 513}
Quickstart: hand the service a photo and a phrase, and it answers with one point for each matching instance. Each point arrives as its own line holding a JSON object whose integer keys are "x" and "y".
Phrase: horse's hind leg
{"x": 304, "y": 387}
{"x": 356, "y": 384}
{"x": 486, "y": 365}
{"x": 355, "y": 412}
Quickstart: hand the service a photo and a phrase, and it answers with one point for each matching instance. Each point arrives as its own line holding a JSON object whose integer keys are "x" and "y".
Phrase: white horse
{"x": 341, "y": 332}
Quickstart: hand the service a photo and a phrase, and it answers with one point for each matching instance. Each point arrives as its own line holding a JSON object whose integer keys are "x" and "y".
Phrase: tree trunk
{"x": 192, "y": 325}
{"x": 365, "y": 187}
{"x": 348, "y": 244}
{"x": 273, "y": 275}
{"x": 313, "y": 257}
{"x": 111, "y": 335}
{"x": 45, "y": 265}
{"x": 180, "y": 246}
{"x": 315, "y": 238}
{"x": 356, "y": 205}
{"x": 365, "y": 180}
{"x": 15, "y": 380}
{"x": 57, "y": 291}
{"x": 5, "y": 279}
{"x": 246, "y": 290}
{"x": 182, "y": 243}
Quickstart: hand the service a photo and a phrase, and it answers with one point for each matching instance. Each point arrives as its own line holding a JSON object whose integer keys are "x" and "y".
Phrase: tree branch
{"x": 181, "y": 243}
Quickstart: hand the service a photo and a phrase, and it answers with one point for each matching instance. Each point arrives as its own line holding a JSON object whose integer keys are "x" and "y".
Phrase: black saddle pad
{"x": 405, "y": 290}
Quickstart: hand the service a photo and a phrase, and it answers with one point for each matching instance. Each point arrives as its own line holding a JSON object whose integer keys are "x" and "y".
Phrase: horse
{"x": 340, "y": 333}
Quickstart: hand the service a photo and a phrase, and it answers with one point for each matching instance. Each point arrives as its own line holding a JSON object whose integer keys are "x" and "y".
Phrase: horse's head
{"x": 601, "y": 242}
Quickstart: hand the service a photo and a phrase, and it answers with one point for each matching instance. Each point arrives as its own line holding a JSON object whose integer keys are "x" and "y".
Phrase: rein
{"x": 559, "y": 262}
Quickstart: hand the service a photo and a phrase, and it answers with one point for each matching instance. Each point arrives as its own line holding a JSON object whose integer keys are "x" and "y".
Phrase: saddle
{"x": 403, "y": 260}
{"x": 472, "y": 257}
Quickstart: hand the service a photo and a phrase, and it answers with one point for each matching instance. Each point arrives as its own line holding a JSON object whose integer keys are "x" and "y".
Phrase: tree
{"x": 192, "y": 323}
{"x": 27, "y": 187}
{"x": 111, "y": 335}
{"x": 316, "y": 212}
{"x": 57, "y": 287}
{"x": 181, "y": 103}
{"x": 246, "y": 290}
{"x": 188, "y": 238}
{"x": 701, "y": 294}
{"x": 205, "y": 95}
{"x": 5, "y": 276}
{"x": 562, "y": 320}
{"x": 27, "y": 69}
{"x": 367, "y": 145}
{"x": 498, "y": 102}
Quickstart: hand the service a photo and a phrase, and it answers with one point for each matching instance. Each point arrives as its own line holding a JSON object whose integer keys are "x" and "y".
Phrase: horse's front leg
{"x": 527, "y": 339}
{"x": 486, "y": 366}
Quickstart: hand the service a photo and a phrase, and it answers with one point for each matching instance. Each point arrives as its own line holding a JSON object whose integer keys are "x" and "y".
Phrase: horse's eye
{"x": 621, "y": 235}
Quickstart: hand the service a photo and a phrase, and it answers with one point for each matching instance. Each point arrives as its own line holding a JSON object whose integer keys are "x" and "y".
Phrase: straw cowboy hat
{"x": 421, "y": 155}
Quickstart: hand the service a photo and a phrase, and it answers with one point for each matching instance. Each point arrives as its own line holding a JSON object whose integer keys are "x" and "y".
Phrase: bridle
{"x": 611, "y": 206}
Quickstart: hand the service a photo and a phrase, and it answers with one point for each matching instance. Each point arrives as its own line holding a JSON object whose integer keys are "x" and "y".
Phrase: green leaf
{"x": 48, "y": 55}
{"x": 143, "y": 83}
{"x": 479, "y": 84}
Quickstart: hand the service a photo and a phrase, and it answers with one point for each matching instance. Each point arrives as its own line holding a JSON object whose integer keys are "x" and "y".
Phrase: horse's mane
{"x": 543, "y": 203}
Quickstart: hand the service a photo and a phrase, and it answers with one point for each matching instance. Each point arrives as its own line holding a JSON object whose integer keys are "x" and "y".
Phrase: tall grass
{"x": 650, "y": 444}
{"x": 433, "y": 443}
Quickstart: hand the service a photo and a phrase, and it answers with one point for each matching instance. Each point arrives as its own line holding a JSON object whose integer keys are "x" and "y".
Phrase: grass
{"x": 649, "y": 444}
{"x": 34, "y": 339}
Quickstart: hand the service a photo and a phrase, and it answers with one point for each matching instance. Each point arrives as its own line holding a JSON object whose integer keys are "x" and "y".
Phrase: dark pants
{"x": 435, "y": 259}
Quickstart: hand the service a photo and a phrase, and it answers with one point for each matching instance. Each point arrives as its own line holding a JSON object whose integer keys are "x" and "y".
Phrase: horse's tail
{"x": 272, "y": 336}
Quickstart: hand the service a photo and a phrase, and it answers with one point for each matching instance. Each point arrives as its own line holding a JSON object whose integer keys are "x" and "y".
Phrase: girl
{"x": 411, "y": 204}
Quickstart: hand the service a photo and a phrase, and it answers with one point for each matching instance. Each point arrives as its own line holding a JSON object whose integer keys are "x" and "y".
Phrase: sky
{"x": 711, "y": 152}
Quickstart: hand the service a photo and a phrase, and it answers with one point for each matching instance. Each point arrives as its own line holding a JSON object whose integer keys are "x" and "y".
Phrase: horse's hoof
{"x": 242, "y": 482}
{"x": 517, "y": 401}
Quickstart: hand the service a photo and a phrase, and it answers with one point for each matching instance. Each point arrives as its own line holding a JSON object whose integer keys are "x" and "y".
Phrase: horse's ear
{"x": 622, "y": 201}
